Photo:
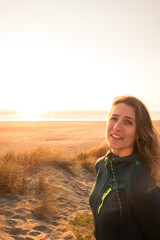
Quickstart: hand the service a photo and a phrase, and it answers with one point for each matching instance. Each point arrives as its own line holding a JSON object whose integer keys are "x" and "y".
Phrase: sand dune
{"x": 17, "y": 220}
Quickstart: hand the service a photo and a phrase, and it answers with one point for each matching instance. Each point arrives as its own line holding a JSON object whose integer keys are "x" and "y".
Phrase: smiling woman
{"x": 121, "y": 130}
{"x": 125, "y": 199}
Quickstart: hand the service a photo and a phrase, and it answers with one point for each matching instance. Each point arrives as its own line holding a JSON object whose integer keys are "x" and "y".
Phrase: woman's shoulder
{"x": 141, "y": 178}
{"x": 100, "y": 163}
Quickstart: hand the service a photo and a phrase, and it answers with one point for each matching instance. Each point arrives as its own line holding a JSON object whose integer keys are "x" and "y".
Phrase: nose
{"x": 118, "y": 125}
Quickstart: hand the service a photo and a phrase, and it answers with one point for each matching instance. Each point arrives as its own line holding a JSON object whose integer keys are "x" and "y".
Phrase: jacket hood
{"x": 119, "y": 162}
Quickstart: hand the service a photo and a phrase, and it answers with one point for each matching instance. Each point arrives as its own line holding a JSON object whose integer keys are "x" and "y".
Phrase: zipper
{"x": 103, "y": 189}
{"x": 96, "y": 205}
{"x": 103, "y": 197}
{"x": 102, "y": 192}
{"x": 96, "y": 210}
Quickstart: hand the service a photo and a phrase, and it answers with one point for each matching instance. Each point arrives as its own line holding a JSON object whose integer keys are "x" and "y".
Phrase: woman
{"x": 125, "y": 200}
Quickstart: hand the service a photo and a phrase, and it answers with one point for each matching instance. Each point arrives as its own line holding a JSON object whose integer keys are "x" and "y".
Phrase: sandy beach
{"x": 17, "y": 220}
{"x": 71, "y": 137}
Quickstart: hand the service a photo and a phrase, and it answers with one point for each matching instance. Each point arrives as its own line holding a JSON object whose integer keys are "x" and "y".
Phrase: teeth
{"x": 115, "y": 136}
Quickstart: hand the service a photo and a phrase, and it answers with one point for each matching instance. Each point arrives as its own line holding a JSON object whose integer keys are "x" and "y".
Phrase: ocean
{"x": 77, "y": 115}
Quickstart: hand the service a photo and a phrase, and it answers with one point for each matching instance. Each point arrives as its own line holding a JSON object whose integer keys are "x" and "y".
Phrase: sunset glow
{"x": 78, "y": 55}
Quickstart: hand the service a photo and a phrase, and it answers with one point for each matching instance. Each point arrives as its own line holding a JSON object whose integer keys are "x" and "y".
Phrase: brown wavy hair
{"x": 147, "y": 142}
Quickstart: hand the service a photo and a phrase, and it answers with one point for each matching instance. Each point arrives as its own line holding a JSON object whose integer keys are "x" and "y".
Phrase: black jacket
{"x": 124, "y": 200}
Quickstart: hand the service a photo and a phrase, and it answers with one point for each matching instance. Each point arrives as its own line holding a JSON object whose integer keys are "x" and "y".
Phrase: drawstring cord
{"x": 115, "y": 182}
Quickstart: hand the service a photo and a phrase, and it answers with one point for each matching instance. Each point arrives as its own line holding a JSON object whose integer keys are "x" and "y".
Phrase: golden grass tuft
{"x": 88, "y": 159}
{"x": 41, "y": 186}
{"x": 12, "y": 176}
{"x": 30, "y": 160}
{"x": 99, "y": 151}
{"x": 68, "y": 165}
{"x": 45, "y": 209}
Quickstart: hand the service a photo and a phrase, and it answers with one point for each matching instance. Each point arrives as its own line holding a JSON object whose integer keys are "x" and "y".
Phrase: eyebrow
{"x": 124, "y": 116}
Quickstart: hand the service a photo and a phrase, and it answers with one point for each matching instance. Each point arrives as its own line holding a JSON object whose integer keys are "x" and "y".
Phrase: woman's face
{"x": 121, "y": 129}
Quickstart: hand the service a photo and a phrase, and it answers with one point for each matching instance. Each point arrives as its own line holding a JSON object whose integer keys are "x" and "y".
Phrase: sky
{"x": 78, "y": 54}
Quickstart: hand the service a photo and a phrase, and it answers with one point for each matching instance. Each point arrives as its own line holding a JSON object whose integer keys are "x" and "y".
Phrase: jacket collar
{"x": 119, "y": 162}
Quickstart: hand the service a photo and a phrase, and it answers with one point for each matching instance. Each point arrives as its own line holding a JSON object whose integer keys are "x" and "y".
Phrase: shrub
{"x": 83, "y": 226}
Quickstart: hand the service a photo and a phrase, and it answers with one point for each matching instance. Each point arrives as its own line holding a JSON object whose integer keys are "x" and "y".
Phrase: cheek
{"x": 108, "y": 129}
{"x": 132, "y": 135}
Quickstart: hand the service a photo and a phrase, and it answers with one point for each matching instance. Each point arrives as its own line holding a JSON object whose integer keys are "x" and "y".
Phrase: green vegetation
{"x": 83, "y": 226}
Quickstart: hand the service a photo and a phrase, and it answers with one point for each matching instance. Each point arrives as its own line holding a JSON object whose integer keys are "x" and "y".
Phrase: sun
{"x": 31, "y": 114}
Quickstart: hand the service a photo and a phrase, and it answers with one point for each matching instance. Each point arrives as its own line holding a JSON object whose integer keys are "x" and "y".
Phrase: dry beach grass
{"x": 46, "y": 174}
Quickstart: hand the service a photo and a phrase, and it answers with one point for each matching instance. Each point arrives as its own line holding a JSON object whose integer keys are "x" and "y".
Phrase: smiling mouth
{"x": 116, "y": 137}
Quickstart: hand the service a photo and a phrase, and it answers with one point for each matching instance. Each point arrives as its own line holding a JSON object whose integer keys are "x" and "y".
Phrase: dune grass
{"x": 88, "y": 159}
{"x": 46, "y": 209}
{"x": 15, "y": 169}
{"x": 12, "y": 176}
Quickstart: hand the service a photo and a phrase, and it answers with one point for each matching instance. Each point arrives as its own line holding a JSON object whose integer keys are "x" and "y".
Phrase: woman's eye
{"x": 128, "y": 122}
{"x": 113, "y": 118}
